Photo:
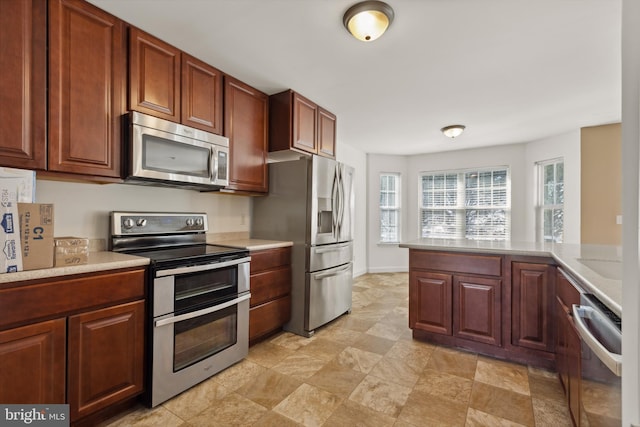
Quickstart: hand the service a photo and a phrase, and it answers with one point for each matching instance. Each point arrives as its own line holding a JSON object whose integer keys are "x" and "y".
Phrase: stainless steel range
{"x": 198, "y": 298}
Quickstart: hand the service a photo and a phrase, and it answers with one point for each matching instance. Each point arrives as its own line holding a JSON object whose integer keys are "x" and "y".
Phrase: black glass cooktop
{"x": 191, "y": 253}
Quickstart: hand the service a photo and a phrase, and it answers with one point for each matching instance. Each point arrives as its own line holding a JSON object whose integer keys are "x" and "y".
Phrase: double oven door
{"x": 200, "y": 324}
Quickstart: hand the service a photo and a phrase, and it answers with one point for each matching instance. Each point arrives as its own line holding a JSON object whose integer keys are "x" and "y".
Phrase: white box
{"x": 10, "y": 248}
{"x": 19, "y": 182}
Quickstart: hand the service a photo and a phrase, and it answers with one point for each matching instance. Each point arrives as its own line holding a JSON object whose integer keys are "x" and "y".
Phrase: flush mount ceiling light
{"x": 453, "y": 130}
{"x": 368, "y": 20}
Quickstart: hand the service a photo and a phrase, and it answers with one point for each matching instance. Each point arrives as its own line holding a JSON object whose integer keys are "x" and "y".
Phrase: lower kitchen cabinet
{"x": 430, "y": 303}
{"x": 532, "y": 302}
{"x": 32, "y": 363}
{"x": 270, "y": 305}
{"x": 568, "y": 350}
{"x": 73, "y": 339}
{"x": 105, "y": 357}
{"x": 477, "y": 307}
{"x": 456, "y": 295}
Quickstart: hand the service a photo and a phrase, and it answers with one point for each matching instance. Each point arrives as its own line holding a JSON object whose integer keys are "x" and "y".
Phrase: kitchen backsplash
{"x": 82, "y": 210}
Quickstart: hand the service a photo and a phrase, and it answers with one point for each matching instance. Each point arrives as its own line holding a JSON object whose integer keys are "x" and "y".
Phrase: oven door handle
{"x": 208, "y": 310}
{"x": 613, "y": 361}
{"x": 197, "y": 268}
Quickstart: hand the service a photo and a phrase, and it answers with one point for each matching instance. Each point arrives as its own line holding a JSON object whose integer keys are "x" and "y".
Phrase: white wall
{"x": 358, "y": 160}
{"x": 82, "y": 210}
{"x": 567, "y": 146}
{"x": 385, "y": 257}
{"x": 630, "y": 214}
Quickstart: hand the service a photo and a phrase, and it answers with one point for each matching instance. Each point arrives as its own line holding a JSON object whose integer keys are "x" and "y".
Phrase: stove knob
{"x": 199, "y": 222}
{"x": 141, "y": 222}
{"x": 190, "y": 222}
{"x": 128, "y": 223}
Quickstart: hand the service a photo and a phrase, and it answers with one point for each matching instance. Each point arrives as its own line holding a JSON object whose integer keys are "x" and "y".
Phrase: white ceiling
{"x": 510, "y": 70}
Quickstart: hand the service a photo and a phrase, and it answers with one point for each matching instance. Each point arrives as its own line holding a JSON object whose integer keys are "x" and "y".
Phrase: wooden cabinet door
{"x": 305, "y": 115}
{"x": 154, "y": 76}
{"x": 562, "y": 326}
{"x": 532, "y": 302}
{"x": 87, "y": 87}
{"x": 23, "y": 55}
{"x": 430, "y": 302}
{"x": 477, "y": 308}
{"x": 106, "y": 351}
{"x": 32, "y": 363}
{"x": 269, "y": 317}
{"x": 326, "y": 133}
{"x": 247, "y": 127}
{"x": 201, "y": 95}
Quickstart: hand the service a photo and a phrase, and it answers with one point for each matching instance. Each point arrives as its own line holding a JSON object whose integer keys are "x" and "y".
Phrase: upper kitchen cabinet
{"x": 168, "y": 83}
{"x": 298, "y": 124}
{"x": 87, "y": 89}
{"x": 246, "y": 122}
{"x": 23, "y": 32}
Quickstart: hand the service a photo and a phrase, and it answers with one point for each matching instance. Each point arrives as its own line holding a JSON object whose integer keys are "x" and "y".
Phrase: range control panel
{"x": 133, "y": 223}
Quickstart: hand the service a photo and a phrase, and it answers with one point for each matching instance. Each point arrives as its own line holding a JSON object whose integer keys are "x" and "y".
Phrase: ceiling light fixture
{"x": 368, "y": 20}
{"x": 453, "y": 130}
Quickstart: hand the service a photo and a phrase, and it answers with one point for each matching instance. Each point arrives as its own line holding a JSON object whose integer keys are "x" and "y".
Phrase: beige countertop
{"x": 98, "y": 261}
{"x": 250, "y": 244}
{"x": 597, "y": 268}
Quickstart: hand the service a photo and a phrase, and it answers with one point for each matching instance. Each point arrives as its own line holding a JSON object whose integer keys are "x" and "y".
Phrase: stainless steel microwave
{"x": 169, "y": 154}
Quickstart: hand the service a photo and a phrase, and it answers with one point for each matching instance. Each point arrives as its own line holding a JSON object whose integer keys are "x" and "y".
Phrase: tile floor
{"x": 364, "y": 369}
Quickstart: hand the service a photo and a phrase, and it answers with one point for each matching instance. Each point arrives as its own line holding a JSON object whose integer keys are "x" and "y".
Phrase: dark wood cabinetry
{"x": 246, "y": 124}
{"x": 477, "y": 309}
{"x": 568, "y": 350}
{"x": 79, "y": 337}
{"x": 533, "y": 302}
{"x": 297, "y": 123}
{"x": 23, "y": 33}
{"x": 270, "y": 291}
{"x": 87, "y": 89}
{"x": 457, "y": 295}
{"x": 32, "y": 363}
{"x": 105, "y": 357}
{"x": 168, "y": 83}
{"x": 430, "y": 302}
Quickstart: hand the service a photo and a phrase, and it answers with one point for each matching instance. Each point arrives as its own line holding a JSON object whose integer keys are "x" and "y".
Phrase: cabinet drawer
{"x": 268, "y": 285}
{"x": 270, "y": 258}
{"x": 490, "y": 265}
{"x": 60, "y": 297}
{"x": 566, "y": 291}
{"x": 269, "y": 317}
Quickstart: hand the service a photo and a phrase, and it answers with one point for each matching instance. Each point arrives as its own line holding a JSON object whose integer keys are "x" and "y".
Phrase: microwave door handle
{"x": 613, "y": 361}
{"x": 213, "y": 173}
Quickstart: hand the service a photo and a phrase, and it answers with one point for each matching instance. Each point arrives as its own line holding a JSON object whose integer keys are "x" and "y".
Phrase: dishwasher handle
{"x": 613, "y": 361}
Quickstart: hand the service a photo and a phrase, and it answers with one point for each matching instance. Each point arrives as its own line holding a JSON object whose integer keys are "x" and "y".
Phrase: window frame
{"x": 461, "y": 209}
{"x": 387, "y": 208}
{"x": 541, "y": 207}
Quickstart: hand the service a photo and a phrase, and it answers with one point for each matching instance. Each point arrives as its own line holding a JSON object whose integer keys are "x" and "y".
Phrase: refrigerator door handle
{"x": 331, "y": 273}
{"x": 335, "y": 202}
{"x": 332, "y": 248}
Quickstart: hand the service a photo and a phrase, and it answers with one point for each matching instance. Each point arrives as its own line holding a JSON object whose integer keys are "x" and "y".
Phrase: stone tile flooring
{"x": 364, "y": 369}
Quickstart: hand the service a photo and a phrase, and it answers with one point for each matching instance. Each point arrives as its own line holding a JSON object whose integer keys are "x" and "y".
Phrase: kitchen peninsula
{"x": 498, "y": 298}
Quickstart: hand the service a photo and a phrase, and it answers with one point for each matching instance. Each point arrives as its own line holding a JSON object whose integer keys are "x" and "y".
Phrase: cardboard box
{"x": 36, "y": 235}
{"x": 11, "y": 256}
{"x": 21, "y": 183}
{"x": 71, "y": 251}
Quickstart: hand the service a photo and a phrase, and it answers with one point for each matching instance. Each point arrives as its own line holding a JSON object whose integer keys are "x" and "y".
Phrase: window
{"x": 470, "y": 204}
{"x": 389, "y": 208}
{"x": 551, "y": 201}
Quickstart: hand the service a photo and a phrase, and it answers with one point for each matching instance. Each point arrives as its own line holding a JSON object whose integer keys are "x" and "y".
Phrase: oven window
{"x": 204, "y": 288}
{"x": 201, "y": 337}
{"x": 164, "y": 155}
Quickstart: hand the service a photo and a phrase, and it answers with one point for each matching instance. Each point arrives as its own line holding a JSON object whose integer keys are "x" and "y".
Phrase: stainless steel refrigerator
{"x": 311, "y": 203}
